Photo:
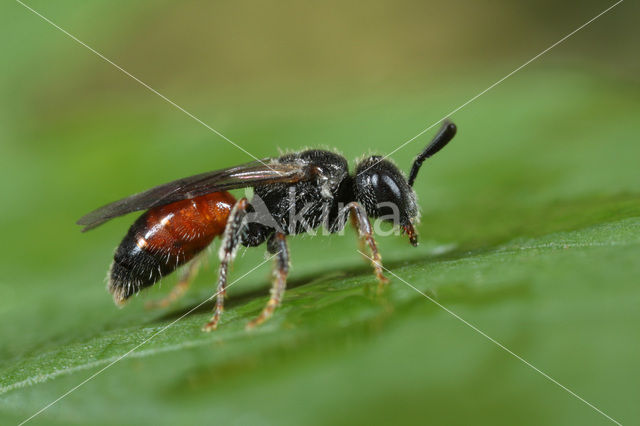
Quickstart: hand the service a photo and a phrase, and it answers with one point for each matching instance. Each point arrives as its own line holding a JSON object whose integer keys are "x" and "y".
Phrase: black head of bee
{"x": 384, "y": 191}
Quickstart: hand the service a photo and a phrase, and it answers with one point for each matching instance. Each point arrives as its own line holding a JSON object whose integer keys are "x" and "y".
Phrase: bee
{"x": 292, "y": 194}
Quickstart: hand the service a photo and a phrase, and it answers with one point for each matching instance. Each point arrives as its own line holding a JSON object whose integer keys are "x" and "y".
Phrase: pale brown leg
{"x": 360, "y": 220}
{"x": 230, "y": 242}
{"x": 361, "y": 242}
{"x": 277, "y": 245}
{"x": 187, "y": 275}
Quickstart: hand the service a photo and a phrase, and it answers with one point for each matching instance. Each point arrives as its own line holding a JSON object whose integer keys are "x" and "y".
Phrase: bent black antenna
{"x": 446, "y": 133}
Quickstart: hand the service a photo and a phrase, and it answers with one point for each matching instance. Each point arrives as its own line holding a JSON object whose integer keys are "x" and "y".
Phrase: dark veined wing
{"x": 245, "y": 175}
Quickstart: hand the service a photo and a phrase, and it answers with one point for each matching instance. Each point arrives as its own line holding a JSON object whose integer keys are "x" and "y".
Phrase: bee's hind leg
{"x": 187, "y": 275}
{"x": 230, "y": 241}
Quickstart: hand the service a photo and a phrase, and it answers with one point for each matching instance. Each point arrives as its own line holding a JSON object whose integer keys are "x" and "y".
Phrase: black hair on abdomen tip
{"x": 134, "y": 268}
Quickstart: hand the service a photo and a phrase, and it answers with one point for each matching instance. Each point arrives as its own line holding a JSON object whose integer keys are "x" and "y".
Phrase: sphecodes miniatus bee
{"x": 184, "y": 216}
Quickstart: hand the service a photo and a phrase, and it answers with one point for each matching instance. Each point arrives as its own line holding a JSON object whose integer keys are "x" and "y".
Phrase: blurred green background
{"x": 530, "y": 230}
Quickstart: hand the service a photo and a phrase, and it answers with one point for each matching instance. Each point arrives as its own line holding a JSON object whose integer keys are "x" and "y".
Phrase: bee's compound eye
{"x": 384, "y": 191}
{"x": 385, "y": 188}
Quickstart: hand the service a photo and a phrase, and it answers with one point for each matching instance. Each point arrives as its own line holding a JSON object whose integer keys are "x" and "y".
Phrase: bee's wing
{"x": 246, "y": 175}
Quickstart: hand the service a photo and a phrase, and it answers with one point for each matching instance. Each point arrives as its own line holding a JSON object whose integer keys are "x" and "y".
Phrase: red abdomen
{"x": 164, "y": 238}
